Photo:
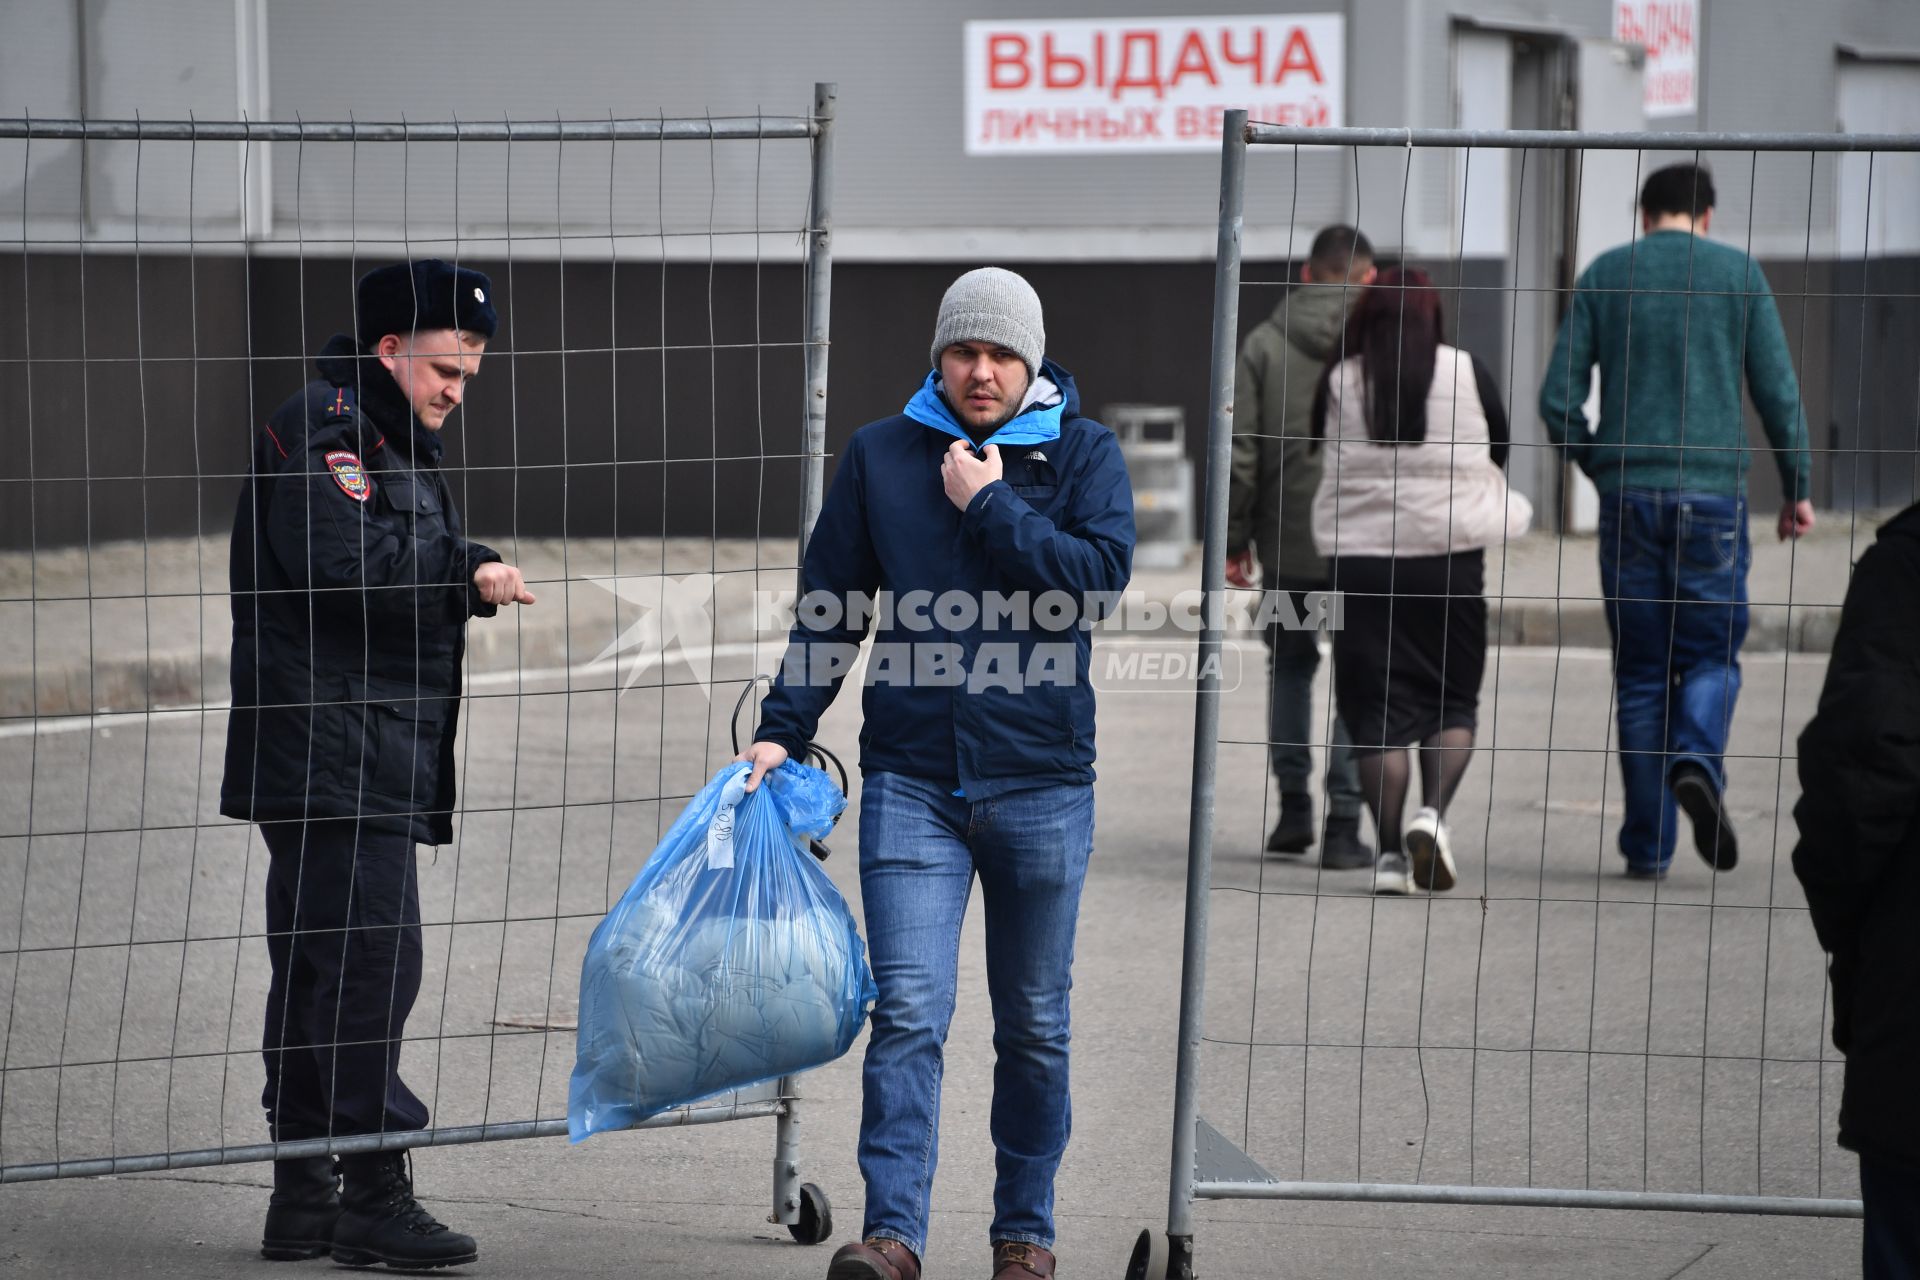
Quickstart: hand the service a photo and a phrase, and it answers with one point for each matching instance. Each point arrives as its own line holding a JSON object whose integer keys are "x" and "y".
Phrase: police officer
{"x": 351, "y": 587}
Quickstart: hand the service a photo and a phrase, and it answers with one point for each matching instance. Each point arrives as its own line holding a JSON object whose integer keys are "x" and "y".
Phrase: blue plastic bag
{"x": 731, "y": 960}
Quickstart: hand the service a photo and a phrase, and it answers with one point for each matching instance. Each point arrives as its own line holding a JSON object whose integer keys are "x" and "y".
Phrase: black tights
{"x": 1386, "y": 775}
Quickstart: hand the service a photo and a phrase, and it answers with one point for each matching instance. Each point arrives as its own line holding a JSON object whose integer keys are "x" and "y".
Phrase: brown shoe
{"x": 1018, "y": 1260}
{"x": 877, "y": 1258}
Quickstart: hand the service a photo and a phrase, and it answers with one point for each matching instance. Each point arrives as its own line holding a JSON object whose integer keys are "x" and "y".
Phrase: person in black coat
{"x": 351, "y": 588}
{"x": 1859, "y": 861}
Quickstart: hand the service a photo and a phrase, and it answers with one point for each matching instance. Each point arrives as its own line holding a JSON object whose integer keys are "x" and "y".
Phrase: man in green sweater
{"x": 1276, "y": 469}
{"x": 1675, "y": 323}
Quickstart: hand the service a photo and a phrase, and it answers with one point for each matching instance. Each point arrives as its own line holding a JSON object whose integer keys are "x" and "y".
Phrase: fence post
{"x": 138, "y": 1110}
{"x": 1206, "y": 716}
{"x": 813, "y": 451}
{"x": 819, "y": 303}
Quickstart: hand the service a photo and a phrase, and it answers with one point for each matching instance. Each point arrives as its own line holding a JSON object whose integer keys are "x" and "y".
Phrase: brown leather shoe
{"x": 1018, "y": 1260}
{"x": 877, "y": 1258}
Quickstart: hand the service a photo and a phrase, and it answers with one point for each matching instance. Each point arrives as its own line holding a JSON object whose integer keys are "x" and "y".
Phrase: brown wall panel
{"x": 630, "y": 398}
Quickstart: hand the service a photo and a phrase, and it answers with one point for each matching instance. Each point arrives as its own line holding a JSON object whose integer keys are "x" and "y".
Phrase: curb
{"x": 1771, "y": 628}
{"x": 189, "y": 678}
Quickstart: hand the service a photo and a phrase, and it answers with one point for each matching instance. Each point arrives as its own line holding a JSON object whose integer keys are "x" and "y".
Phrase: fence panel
{"x": 1551, "y": 1031}
{"x": 646, "y": 443}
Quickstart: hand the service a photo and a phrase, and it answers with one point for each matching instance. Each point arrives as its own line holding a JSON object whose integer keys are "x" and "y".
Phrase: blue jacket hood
{"x": 1033, "y": 425}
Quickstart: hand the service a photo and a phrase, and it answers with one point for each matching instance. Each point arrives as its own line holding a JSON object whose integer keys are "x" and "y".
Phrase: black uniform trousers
{"x": 343, "y": 935}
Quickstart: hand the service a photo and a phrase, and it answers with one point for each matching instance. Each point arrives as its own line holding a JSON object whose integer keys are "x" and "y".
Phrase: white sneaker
{"x": 1426, "y": 842}
{"x": 1390, "y": 872}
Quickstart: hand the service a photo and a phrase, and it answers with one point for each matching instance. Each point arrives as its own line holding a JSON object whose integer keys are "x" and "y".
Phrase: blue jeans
{"x": 920, "y": 848}
{"x": 1293, "y": 658}
{"x": 1673, "y": 569}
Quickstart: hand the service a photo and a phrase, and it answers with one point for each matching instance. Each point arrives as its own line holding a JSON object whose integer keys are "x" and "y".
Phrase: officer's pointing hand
{"x": 501, "y": 584}
{"x": 964, "y": 475}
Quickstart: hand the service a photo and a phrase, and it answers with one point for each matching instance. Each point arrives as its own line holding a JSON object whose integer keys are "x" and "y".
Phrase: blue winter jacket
{"x": 1060, "y": 519}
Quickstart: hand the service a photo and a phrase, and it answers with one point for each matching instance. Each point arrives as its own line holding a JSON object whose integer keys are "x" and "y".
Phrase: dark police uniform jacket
{"x": 351, "y": 587}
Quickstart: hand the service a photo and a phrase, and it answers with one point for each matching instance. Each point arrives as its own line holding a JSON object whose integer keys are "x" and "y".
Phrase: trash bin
{"x": 1153, "y": 440}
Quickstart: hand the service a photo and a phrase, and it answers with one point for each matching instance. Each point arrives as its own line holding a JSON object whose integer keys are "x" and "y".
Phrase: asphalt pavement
{"x": 1547, "y": 1023}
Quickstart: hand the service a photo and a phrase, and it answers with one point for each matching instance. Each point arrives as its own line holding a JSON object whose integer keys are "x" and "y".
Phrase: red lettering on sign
{"x": 1662, "y": 29}
{"x": 1193, "y": 61}
{"x": 1256, "y": 60}
{"x": 1298, "y": 56}
{"x": 1004, "y": 51}
{"x": 1148, "y": 42}
{"x": 1144, "y": 83}
{"x": 1049, "y": 60}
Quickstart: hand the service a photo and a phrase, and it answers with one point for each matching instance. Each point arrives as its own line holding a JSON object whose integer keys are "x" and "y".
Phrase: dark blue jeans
{"x": 920, "y": 848}
{"x": 1673, "y": 569}
{"x": 1293, "y": 658}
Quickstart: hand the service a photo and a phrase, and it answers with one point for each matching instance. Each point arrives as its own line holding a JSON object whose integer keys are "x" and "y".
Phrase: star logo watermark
{"x": 675, "y": 614}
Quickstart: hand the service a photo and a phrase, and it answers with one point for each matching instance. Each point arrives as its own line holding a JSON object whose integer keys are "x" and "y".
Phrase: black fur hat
{"x": 423, "y": 295}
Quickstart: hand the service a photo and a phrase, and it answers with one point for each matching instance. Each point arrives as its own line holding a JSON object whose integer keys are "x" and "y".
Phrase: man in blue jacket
{"x": 986, "y": 522}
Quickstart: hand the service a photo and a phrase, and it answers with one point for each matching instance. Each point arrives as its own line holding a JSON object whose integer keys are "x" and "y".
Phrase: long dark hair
{"x": 1396, "y": 330}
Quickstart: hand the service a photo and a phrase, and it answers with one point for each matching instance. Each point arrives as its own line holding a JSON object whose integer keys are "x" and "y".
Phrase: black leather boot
{"x": 1293, "y": 833}
{"x": 1341, "y": 848}
{"x": 304, "y": 1207}
{"x": 381, "y": 1222}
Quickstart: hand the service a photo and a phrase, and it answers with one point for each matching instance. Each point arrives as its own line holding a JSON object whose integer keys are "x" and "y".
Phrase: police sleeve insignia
{"x": 349, "y": 475}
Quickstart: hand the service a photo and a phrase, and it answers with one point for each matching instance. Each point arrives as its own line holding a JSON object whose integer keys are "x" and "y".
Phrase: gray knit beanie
{"x": 992, "y": 305}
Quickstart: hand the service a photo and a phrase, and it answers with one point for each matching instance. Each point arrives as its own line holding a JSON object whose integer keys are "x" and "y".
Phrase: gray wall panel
{"x": 904, "y": 187}
{"x": 39, "y": 75}
{"x": 900, "y": 155}
{"x": 908, "y": 202}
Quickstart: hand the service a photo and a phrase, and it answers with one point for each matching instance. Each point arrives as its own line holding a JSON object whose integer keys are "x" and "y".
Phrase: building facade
{"x": 161, "y": 296}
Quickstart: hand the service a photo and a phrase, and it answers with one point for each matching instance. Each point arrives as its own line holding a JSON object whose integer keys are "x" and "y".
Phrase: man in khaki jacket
{"x": 1276, "y": 470}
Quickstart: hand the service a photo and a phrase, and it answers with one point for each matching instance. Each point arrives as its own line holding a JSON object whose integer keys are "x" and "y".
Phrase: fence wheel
{"x": 1149, "y": 1260}
{"x": 816, "y": 1216}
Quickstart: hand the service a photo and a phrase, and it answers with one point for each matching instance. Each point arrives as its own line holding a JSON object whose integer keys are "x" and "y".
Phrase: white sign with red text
{"x": 1104, "y": 85}
{"x": 1669, "y": 30}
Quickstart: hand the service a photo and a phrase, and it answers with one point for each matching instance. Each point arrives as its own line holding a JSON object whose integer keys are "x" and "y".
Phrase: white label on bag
{"x": 720, "y": 839}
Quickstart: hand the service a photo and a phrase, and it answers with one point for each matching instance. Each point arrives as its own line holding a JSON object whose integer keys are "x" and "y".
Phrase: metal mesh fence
{"x": 645, "y": 443}
{"x": 1550, "y": 1030}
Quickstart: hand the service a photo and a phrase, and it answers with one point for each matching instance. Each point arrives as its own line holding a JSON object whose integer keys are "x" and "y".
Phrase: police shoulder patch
{"x": 349, "y": 475}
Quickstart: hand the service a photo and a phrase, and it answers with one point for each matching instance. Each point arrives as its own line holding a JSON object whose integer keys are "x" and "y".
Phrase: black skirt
{"x": 1412, "y": 646}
